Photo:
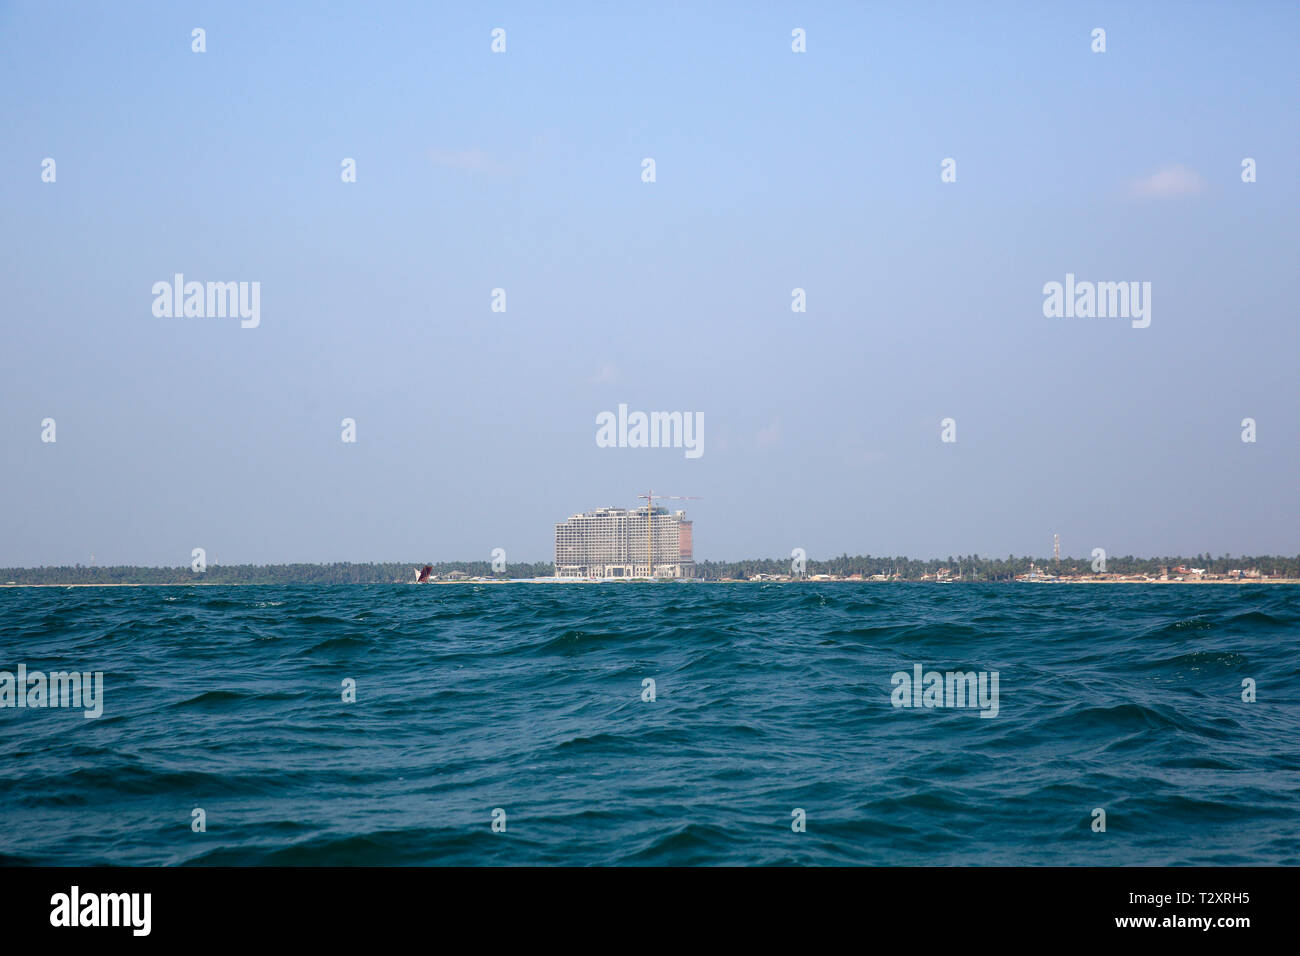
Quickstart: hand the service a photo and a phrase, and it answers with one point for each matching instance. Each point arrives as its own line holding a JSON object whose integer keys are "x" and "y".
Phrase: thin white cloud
{"x": 473, "y": 160}
{"x": 1169, "y": 182}
{"x": 769, "y": 436}
{"x": 606, "y": 375}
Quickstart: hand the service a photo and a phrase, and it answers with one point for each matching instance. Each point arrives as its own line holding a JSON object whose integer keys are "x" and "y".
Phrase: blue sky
{"x": 522, "y": 171}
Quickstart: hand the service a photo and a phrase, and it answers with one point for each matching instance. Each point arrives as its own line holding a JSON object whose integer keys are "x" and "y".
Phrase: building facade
{"x": 613, "y": 543}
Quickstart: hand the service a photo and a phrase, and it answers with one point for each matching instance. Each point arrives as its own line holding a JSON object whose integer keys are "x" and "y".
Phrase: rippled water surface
{"x": 770, "y": 697}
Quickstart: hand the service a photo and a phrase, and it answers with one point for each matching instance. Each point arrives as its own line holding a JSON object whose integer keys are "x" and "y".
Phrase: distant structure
{"x": 612, "y": 543}
{"x": 1056, "y": 548}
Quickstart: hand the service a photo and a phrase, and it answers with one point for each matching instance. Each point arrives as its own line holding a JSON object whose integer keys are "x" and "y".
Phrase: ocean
{"x": 514, "y": 724}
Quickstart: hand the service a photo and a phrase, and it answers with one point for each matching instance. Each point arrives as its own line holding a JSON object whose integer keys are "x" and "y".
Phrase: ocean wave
{"x": 767, "y": 699}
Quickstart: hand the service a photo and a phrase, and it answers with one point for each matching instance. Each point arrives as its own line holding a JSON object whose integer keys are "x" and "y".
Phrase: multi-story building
{"x": 613, "y": 543}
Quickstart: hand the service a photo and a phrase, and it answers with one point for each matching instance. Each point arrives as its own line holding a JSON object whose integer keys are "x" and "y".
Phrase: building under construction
{"x": 614, "y": 543}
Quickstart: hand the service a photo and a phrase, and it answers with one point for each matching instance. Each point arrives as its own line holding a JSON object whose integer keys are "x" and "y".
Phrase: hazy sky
{"x": 522, "y": 170}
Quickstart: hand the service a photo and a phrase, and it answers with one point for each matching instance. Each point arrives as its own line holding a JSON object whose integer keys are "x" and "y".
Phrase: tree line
{"x": 976, "y": 568}
{"x": 344, "y": 572}
{"x": 970, "y": 567}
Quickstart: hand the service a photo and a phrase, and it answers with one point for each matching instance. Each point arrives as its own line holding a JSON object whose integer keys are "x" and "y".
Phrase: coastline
{"x": 255, "y": 584}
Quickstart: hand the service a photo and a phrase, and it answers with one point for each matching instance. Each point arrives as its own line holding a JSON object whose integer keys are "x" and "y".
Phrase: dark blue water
{"x": 528, "y": 698}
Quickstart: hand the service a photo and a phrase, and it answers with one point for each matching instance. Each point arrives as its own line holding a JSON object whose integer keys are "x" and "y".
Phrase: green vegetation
{"x": 971, "y": 568}
{"x": 976, "y": 568}
{"x": 337, "y": 573}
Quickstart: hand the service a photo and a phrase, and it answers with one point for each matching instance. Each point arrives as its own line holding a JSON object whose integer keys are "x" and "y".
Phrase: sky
{"x": 523, "y": 170}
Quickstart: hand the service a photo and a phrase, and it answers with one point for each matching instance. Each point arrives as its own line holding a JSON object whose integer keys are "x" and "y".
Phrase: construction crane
{"x": 649, "y": 525}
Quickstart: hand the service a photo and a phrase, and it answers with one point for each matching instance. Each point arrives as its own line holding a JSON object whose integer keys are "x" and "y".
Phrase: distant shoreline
{"x": 972, "y": 569}
{"x": 278, "y": 584}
